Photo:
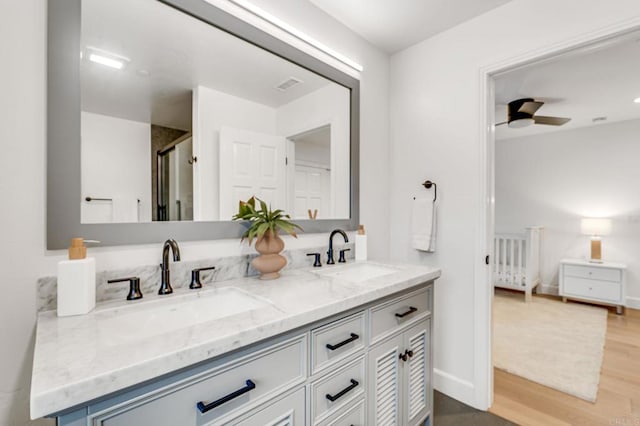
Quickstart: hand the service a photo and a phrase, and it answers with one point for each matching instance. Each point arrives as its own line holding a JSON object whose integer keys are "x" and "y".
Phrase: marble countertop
{"x": 78, "y": 359}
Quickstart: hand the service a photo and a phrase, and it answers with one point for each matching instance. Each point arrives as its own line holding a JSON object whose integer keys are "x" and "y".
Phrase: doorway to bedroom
{"x": 567, "y": 234}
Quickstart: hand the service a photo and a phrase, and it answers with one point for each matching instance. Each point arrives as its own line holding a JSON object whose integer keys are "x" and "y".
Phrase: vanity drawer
{"x": 271, "y": 370}
{"x": 391, "y": 315}
{"x": 593, "y": 273}
{"x": 336, "y": 341}
{"x": 352, "y": 415}
{"x": 332, "y": 392}
{"x": 592, "y": 289}
{"x": 288, "y": 411}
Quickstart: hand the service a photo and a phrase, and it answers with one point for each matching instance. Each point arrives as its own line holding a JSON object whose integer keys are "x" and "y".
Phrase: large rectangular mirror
{"x": 164, "y": 114}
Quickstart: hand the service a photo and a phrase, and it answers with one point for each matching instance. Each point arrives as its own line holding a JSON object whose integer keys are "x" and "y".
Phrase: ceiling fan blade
{"x": 551, "y": 121}
{"x": 500, "y": 124}
{"x": 530, "y": 107}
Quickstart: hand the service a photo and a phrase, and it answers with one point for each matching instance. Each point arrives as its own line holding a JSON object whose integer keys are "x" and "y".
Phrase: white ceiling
{"x": 179, "y": 53}
{"x": 598, "y": 81}
{"x": 393, "y": 25}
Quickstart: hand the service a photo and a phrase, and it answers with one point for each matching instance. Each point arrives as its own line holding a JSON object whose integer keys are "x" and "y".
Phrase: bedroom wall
{"x": 23, "y": 256}
{"x": 435, "y": 134}
{"x": 555, "y": 179}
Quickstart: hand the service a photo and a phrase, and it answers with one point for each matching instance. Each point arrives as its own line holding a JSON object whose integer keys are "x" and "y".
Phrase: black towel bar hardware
{"x": 89, "y": 199}
{"x": 428, "y": 184}
{"x": 207, "y": 407}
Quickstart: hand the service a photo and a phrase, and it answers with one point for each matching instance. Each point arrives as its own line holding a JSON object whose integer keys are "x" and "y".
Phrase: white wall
{"x": 116, "y": 163}
{"x": 327, "y": 105}
{"x": 555, "y": 179}
{"x": 213, "y": 110}
{"x": 435, "y": 134}
{"x": 23, "y": 257}
{"x": 374, "y": 110}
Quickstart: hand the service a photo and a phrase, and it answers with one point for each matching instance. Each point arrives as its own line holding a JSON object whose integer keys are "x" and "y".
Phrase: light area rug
{"x": 559, "y": 345}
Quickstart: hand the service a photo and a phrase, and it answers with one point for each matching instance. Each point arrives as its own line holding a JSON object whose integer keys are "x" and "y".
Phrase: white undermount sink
{"x": 159, "y": 317}
{"x": 356, "y": 272}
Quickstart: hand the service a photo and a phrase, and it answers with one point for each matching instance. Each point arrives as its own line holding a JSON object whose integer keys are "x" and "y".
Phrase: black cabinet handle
{"x": 206, "y": 407}
{"x": 353, "y": 337}
{"x": 352, "y": 386}
{"x": 406, "y": 355}
{"x": 410, "y": 311}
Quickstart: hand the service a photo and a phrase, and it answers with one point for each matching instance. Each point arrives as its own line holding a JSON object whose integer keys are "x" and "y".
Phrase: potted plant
{"x": 264, "y": 225}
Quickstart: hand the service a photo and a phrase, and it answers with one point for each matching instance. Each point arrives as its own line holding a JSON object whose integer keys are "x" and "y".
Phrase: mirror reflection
{"x": 181, "y": 120}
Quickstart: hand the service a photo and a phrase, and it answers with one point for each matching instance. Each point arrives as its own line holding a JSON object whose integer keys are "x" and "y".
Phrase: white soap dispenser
{"x": 76, "y": 281}
{"x": 361, "y": 244}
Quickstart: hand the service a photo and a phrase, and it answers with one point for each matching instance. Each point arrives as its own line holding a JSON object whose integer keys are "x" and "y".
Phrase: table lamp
{"x": 596, "y": 228}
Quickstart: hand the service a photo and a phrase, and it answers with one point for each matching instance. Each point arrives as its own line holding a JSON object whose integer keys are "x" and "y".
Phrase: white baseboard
{"x": 454, "y": 387}
{"x": 633, "y": 302}
{"x": 548, "y": 289}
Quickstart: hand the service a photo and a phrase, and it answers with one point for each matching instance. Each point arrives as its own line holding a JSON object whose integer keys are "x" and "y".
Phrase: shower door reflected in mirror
{"x": 175, "y": 180}
{"x": 181, "y": 120}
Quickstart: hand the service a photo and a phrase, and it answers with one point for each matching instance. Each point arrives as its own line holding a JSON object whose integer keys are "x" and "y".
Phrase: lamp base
{"x": 596, "y": 250}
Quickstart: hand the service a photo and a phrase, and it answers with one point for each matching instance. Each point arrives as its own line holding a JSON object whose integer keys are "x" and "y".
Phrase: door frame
{"x": 483, "y": 292}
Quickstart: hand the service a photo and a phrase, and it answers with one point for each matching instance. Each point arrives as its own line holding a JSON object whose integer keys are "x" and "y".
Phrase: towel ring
{"x": 428, "y": 184}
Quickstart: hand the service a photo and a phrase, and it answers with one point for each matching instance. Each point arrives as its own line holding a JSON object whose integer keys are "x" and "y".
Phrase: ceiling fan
{"x": 521, "y": 112}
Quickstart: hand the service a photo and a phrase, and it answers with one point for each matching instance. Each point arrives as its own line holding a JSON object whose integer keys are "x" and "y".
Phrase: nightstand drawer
{"x": 592, "y": 289}
{"x": 593, "y": 273}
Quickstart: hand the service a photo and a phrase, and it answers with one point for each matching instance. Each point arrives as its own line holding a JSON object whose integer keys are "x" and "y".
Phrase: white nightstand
{"x": 603, "y": 283}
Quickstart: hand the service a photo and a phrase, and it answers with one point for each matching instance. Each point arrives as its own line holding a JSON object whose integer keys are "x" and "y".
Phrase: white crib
{"x": 516, "y": 260}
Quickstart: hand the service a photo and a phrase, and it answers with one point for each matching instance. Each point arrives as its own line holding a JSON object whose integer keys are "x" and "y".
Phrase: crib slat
{"x": 512, "y": 261}
{"x": 520, "y": 268}
{"x": 503, "y": 257}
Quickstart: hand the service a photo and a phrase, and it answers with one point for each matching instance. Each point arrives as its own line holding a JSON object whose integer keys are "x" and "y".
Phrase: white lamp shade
{"x": 596, "y": 226}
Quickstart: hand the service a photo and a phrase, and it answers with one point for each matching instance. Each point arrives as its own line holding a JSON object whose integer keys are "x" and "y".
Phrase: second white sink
{"x": 356, "y": 272}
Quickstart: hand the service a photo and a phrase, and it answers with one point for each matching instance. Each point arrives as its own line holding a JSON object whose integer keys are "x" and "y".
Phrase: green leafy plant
{"x": 264, "y": 219}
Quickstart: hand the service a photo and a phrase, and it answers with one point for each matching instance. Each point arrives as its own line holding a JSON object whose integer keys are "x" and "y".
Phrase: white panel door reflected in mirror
{"x": 181, "y": 121}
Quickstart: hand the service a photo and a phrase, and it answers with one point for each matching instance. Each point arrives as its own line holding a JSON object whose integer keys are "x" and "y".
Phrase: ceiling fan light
{"x": 519, "y": 123}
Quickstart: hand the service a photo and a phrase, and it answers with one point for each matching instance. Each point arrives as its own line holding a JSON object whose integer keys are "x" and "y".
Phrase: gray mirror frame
{"x": 63, "y": 134}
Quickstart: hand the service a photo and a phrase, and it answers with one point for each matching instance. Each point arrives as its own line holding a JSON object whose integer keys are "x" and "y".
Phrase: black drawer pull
{"x": 206, "y": 407}
{"x": 353, "y": 337}
{"x": 352, "y": 386}
{"x": 410, "y": 311}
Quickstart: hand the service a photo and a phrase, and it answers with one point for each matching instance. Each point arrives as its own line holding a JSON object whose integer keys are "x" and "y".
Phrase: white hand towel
{"x": 423, "y": 225}
{"x": 125, "y": 210}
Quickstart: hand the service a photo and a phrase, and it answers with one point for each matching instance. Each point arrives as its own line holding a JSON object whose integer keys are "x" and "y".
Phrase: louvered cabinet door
{"x": 417, "y": 373}
{"x": 385, "y": 388}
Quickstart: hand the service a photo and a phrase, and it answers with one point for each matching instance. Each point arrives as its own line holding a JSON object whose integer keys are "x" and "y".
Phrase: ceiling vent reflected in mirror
{"x": 288, "y": 83}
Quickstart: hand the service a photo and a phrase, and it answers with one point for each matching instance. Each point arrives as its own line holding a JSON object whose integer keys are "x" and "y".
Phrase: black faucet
{"x": 330, "y": 260}
{"x": 165, "y": 285}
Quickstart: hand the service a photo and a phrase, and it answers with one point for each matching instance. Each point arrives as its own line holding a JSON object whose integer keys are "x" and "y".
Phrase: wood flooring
{"x": 618, "y": 402}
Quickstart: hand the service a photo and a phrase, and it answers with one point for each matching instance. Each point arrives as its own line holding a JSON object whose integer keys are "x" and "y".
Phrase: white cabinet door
{"x": 417, "y": 373}
{"x": 251, "y": 163}
{"x": 385, "y": 382}
{"x": 400, "y": 377}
